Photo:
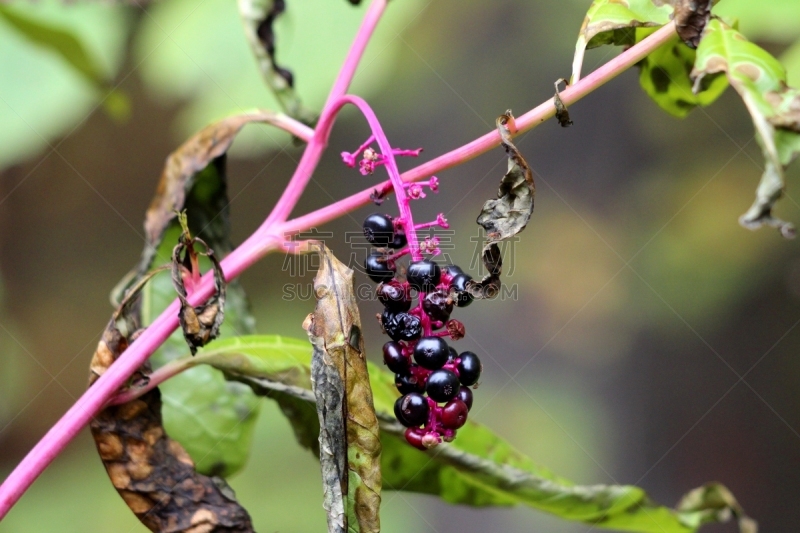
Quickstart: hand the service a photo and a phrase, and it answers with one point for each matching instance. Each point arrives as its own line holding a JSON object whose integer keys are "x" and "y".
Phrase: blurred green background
{"x": 640, "y": 299}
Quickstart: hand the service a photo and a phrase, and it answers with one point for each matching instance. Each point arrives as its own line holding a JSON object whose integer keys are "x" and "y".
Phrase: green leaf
{"x": 479, "y": 468}
{"x": 774, "y": 107}
{"x": 665, "y": 76}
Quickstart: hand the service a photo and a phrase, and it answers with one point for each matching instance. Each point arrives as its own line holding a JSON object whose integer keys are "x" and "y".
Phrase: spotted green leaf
{"x": 774, "y": 107}
{"x": 479, "y": 468}
{"x": 665, "y": 76}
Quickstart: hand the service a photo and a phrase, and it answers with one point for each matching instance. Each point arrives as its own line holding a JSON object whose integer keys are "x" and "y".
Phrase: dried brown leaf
{"x": 200, "y": 324}
{"x": 349, "y": 437}
{"x": 691, "y": 17}
{"x": 562, "y": 113}
{"x": 153, "y": 473}
{"x": 508, "y": 214}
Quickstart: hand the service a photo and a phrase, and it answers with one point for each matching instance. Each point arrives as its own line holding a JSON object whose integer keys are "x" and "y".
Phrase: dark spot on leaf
{"x": 266, "y": 34}
{"x": 660, "y": 79}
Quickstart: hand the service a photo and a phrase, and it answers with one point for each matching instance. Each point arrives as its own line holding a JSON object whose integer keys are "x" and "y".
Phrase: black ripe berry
{"x": 438, "y": 306}
{"x": 378, "y": 268}
{"x": 394, "y": 296}
{"x": 431, "y": 353}
{"x": 379, "y": 229}
{"x": 459, "y": 283}
{"x": 401, "y": 326}
{"x": 454, "y": 414}
{"x": 411, "y": 410}
{"x": 465, "y": 395}
{"x": 442, "y": 386}
{"x": 393, "y": 358}
{"x": 424, "y": 275}
{"x": 400, "y": 241}
{"x": 407, "y": 383}
{"x": 469, "y": 368}
{"x": 453, "y": 270}
{"x": 452, "y": 355}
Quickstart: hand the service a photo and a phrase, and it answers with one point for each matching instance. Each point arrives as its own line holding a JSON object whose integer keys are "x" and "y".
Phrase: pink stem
{"x": 319, "y": 142}
{"x": 271, "y": 233}
{"x": 528, "y": 121}
{"x": 256, "y": 246}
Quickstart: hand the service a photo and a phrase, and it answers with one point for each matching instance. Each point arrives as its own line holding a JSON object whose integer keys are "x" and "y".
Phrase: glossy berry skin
{"x": 431, "y": 353}
{"x": 459, "y": 283}
{"x": 411, "y": 410}
{"x": 424, "y": 275}
{"x": 414, "y": 437}
{"x": 394, "y": 296}
{"x": 393, "y": 358}
{"x": 454, "y": 414}
{"x": 452, "y": 270}
{"x": 401, "y": 326}
{"x": 465, "y": 395}
{"x": 452, "y": 356}
{"x": 379, "y": 229}
{"x": 438, "y": 306}
{"x": 400, "y": 241}
{"x": 442, "y": 386}
{"x": 377, "y": 268}
{"x": 469, "y": 368}
{"x": 407, "y": 383}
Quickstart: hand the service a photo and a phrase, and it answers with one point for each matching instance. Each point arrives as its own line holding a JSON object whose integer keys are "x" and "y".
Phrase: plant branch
{"x": 271, "y": 234}
{"x": 528, "y": 121}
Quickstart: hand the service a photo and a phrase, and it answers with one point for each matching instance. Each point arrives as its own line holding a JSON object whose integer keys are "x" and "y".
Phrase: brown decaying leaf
{"x": 691, "y": 17}
{"x": 200, "y": 324}
{"x": 153, "y": 473}
{"x": 349, "y": 437}
{"x": 180, "y": 170}
{"x": 504, "y": 216}
{"x": 562, "y": 113}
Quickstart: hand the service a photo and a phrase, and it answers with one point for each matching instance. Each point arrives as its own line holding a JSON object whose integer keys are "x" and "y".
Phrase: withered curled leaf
{"x": 714, "y": 503}
{"x": 504, "y": 216}
{"x": 562, "y": 113}
{"x": 258, "y": 18}
{"x": 349, "y": 439}
{"x": 200, "y": 324}
{"x": 691, "y": 17}
{"x": 153, "y": 473}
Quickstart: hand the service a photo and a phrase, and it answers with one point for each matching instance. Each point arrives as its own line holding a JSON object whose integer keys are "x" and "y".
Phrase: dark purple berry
{"x": 451, "y": 357}
{"x": 394, "y": 296}
{"x": 393, "y": 358}
{"x": 459, "y": 283}
{"x": 423, "y": 275}
{"x": 401, "y": 326}
{"x": 465, "y": 395}
{"x": 431, "y": 353}
{"x": 454, "y": 414}
{"x": 414, "y": 437}
{"x": 411, "y": 410}
{"x": 378, "y": 268}
{"x": 400, "y": 241}
{"x": 406, "y": 383}
{"x": 469, "y": 368}
{"x": 442, "y": 386}
{"x": 438, "y": 306}
{"x": 453, "y": 270}
{"x": 379, "y": 229}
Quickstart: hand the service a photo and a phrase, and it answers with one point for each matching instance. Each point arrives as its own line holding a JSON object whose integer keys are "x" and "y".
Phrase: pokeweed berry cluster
{"x": 434, "y": 380}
